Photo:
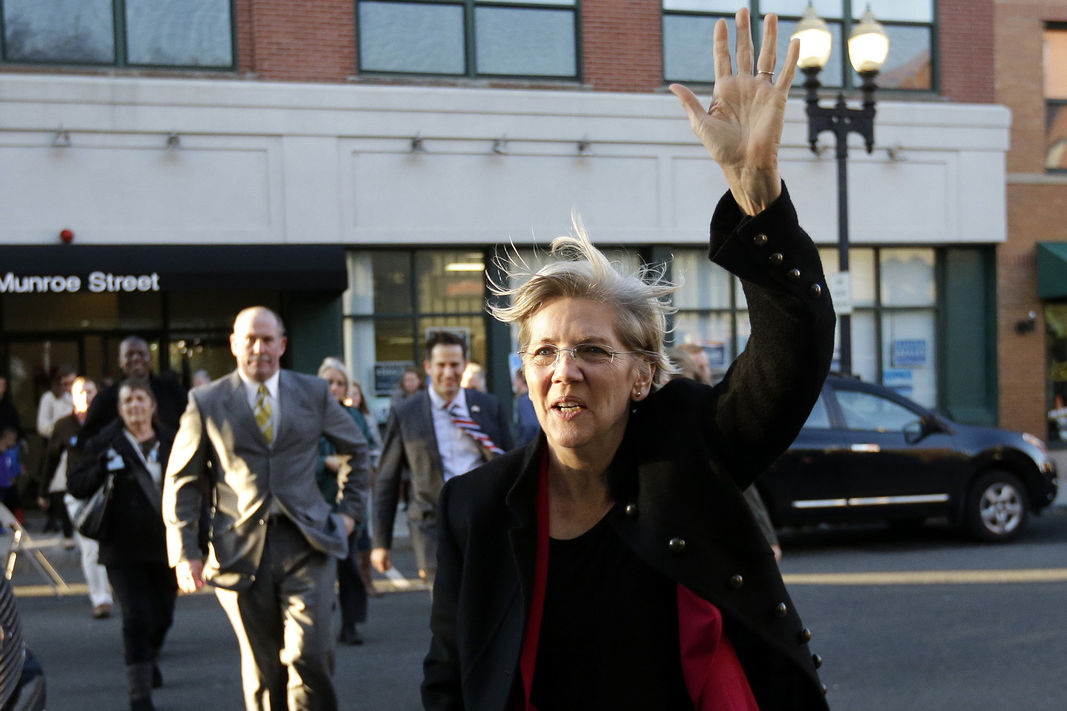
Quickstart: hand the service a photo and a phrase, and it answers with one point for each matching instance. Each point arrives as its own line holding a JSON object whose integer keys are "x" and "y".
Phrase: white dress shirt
{"x": 459, "y": 453}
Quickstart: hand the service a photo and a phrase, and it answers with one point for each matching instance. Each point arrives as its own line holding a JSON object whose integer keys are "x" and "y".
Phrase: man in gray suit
{"x": 434, "y": 435}
{"x": 250, "y": 439}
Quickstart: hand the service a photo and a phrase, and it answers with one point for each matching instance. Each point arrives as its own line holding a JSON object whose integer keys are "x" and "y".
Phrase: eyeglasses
{"x": 586, "y": 353}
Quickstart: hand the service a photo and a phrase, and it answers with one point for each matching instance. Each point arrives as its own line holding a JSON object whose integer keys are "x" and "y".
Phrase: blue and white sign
{"x": 909, "y": 352}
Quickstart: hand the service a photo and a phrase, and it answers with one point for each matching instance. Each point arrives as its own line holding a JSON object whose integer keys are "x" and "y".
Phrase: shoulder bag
{"x": 92, "y": 520}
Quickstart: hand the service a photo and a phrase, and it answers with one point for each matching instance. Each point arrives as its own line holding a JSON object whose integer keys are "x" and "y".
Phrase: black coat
{"x": 135, "y": 532}
{"x": 688, "y": 451}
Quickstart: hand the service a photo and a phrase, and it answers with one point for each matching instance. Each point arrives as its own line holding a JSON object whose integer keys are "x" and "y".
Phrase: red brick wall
{"x": 1035, "y": 207}
{"x": 622, "y": 45}
{"x": 965, "y": 49}
{"x": 297, "y": 40}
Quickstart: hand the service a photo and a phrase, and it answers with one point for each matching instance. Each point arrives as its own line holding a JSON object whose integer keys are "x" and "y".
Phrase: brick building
{"x": 1030, "y": 78}
{"x": 356, "y": 163}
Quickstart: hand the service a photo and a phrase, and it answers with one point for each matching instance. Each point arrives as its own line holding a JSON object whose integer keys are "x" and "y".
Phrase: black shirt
{"x": 609, "y": 631}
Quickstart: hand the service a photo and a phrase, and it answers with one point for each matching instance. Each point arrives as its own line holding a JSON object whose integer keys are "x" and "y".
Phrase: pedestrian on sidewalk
{"x": 133, "y": 548}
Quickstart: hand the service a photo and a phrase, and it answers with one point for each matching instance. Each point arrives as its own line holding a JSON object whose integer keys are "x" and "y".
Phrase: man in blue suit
{"x": 434, "y": 435}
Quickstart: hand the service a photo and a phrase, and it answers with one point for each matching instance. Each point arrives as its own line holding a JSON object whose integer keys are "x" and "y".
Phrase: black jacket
{"x": 135, "y": 531}
{"x": 688, "y": 451}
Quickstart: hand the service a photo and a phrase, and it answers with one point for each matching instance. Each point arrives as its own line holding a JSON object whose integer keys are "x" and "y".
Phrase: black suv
{"x": 867, "y": 453}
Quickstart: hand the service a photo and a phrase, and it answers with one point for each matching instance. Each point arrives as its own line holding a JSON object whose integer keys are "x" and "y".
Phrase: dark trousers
{"x": 146, "y": 595}
{"x": 282, "y": 623}
{"x": 350, "y": 590}
{"x": 57, "y": 511}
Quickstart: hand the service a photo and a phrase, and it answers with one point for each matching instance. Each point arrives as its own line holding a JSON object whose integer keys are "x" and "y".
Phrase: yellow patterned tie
{"x": 263, "y": 413}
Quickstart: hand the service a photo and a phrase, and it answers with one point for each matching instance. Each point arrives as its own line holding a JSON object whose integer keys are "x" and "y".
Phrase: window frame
{"x": 1051, "y": 102}
{"x": 878, "y": 311}
{"x": 120, "y": 58}
{"x": 470, "y": 47}
{"x": 851, "y": 80}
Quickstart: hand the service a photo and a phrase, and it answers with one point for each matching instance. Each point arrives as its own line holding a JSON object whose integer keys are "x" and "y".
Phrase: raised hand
{"x": 743, "y": 127}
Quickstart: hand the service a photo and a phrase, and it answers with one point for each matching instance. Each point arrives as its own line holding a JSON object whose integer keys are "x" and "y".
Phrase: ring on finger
{"x": 770, "y": 75}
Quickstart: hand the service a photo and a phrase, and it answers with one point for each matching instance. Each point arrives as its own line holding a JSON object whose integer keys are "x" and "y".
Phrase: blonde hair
{"x": 580, "y": 270}
{"x": 331, "y": 363}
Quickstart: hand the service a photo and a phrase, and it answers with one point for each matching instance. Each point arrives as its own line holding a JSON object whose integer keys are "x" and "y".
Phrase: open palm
{"x": 742, "y": 129}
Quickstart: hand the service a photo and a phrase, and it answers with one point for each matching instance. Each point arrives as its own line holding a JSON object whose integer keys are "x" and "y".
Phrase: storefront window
{"x": 907, "y": 277}
{"x": 51, "y": 312}
{"x": 396, "y": 298}
{"x": 908, "y": 357}
{"x": 215, "y": 309}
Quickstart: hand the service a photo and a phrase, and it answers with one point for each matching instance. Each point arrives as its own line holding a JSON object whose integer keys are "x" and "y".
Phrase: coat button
{"x": 760, "y": 239}
{"x": 816, "y": 660}
{"x": 794, "y": 273}
{"x": 815, "y": 291}
{"x": 631, "y": 510}
{"x": 781, "y": 609}
{"x": 776, "y": 258}
{"x": 262, "y": 522}
{"x": 676, "y": 544}
{"x": 804, "y": 636}
{"x": 736, "y": 581}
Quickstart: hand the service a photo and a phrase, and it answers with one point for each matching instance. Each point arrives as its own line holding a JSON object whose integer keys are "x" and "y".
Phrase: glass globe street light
{"x": 868, "y": 47}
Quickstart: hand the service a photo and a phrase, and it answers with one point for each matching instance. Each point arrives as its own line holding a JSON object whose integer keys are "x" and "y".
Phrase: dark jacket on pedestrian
{"x": 135, "y": 528}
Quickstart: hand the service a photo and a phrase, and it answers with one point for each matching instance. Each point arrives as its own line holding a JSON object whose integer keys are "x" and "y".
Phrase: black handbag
{"x": 92, "y": 519}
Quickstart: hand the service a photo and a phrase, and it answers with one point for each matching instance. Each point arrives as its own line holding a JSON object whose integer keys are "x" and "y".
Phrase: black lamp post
{"x": 868, "y": 46}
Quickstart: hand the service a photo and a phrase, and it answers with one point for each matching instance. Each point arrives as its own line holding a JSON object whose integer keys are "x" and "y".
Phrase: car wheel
{"x": 997, "y": 508}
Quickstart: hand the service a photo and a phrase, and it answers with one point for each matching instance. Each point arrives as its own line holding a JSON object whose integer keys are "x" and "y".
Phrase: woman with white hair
{"x": 612, "y": 562}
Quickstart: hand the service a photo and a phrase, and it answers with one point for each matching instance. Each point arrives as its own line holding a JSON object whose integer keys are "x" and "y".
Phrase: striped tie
{"x": 471, "y": 428}
{"x": 263, "y": 413}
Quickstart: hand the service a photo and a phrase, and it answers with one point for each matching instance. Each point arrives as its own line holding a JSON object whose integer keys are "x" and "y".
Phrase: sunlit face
{"x": 82, "y": 392}
{"x": 445, "y": 368}
{"x": 356, "y": 394}
{"x": 582, "y": 407}
{"x": 258, "y": 345}
{"x": 135, "y": 407}
{"x": 135, "y": 358}
{"x": 338, "y": 384}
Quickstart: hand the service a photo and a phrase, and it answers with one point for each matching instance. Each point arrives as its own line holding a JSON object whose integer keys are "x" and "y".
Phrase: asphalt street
{"x": 917, "y": 620}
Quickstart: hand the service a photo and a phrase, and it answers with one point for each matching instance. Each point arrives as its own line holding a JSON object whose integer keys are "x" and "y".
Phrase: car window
{"x": 819, "y": 419}
{"x": 867, "y": 411}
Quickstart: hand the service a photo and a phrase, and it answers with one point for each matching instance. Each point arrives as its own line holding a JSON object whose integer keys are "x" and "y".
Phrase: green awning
{"x": 1052, "y": 270}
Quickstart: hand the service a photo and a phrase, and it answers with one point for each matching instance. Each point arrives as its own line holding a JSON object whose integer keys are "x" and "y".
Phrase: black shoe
{"x": 350, "y": 635}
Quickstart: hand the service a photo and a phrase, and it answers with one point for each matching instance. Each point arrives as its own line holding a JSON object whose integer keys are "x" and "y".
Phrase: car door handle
{"x": 865, "y": 448}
